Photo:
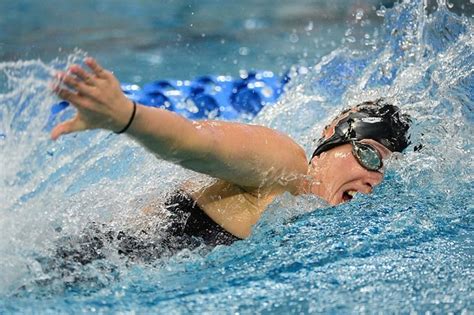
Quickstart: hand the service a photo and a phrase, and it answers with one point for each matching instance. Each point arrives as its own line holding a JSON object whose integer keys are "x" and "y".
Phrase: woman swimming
{"x": 251, "y": 164}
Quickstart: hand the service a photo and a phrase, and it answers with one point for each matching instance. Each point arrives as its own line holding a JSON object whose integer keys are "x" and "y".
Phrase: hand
{"x": 98, "y": 98}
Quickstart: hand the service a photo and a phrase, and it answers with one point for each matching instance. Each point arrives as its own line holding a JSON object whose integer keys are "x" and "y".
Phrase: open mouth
{"x": 348, "y": 195}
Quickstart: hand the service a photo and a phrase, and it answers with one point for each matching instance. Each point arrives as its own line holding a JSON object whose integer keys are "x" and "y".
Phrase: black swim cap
{"x": 379, "y": 121}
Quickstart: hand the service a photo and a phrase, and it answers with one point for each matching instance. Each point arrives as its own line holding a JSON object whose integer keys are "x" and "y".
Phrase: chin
{"x": 334, "y": 201}
{"x": 340, "y": 200}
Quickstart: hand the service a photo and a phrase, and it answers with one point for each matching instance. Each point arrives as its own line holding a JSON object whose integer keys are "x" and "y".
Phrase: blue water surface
{"x": 407, "y": 247}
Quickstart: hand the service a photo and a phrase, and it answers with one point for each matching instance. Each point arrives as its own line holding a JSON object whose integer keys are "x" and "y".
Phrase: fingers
{"x": 75, "y": 84}
{"x": 96, "y": 68}
{"x": 66, "y": 127}
{"x": 85, "y": 76}
{"x": 81, "y": 98}
{"x": 67, "y": 95}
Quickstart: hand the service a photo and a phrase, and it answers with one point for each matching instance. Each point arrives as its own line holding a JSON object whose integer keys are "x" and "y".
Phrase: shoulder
{"x": 288, "y": 161}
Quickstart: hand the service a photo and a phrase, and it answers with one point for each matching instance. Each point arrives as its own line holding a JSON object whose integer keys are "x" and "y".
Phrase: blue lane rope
{"x": 206, "y": 96}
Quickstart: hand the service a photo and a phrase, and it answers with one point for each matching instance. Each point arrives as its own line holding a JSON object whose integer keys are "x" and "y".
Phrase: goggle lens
{"x": 367, "y": 156}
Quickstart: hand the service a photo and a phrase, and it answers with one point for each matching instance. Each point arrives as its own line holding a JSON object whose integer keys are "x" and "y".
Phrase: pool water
{"x": 408, "y": 247}
{"x": 149, "y": 40}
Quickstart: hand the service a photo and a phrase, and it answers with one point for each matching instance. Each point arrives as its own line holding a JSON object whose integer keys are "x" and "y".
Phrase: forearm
{"x": 246, "y": 155}
{"x": 166, "y": 134}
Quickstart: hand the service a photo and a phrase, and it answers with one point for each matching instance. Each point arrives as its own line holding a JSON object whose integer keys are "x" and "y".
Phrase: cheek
{"x": 335, "y": 166}
{"x": 342, "y": 161}
{"x": 345, "y": 166}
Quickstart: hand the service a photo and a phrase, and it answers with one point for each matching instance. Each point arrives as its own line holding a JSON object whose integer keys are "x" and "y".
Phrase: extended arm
{"x": 246, "y": 155}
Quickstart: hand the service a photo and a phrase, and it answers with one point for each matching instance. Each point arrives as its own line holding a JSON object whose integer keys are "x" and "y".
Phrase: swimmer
{"x": 251, "y": 164}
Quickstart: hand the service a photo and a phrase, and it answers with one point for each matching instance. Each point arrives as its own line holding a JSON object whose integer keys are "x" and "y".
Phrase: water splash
{"x": 406, "y": 247}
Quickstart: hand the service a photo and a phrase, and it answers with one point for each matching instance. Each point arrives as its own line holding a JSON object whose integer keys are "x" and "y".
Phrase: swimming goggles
{"x": 367, "y": 156}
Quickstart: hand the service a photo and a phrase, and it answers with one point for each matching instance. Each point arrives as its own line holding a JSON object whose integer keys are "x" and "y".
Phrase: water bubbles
{"x": 359, "y": 14}
{"x": 446, "y": 3}
{"x": 154, "y": 59}
{"x": 244, "y": 51}
{"x": 267, "y": 92}
{"x": 250, "y": 24}
{"x": 191, "y": 106}
{"x": 348, "y": 37}
{"x": 294, "y": 38}
{"x": 381, "y": 12}
{"x": 303, "y": 70}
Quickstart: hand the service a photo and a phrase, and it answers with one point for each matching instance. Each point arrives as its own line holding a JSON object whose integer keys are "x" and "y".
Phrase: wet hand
{"x": 96, "y": 95}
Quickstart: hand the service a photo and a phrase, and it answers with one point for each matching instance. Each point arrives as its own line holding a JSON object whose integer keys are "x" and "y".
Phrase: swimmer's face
{"x": 339, "y": 176}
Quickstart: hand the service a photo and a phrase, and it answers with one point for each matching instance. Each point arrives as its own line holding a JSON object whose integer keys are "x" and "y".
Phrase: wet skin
{"x": 337, "y": 172}
{"x": 241, "y": 157}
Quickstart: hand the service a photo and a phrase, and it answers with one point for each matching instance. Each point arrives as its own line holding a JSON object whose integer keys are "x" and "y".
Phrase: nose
{"x": 372, "y": 180}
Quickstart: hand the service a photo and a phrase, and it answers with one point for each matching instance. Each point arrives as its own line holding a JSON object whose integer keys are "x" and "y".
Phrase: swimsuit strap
{"x": 191, "y": 220}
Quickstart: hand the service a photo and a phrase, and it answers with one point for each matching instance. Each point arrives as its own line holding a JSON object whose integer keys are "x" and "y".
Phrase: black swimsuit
{"x": 189, "y": 227}
{"x": 192, "y": 221}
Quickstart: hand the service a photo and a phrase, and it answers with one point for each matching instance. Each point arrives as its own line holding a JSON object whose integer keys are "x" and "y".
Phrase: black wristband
{"x": 130, "y": 121}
